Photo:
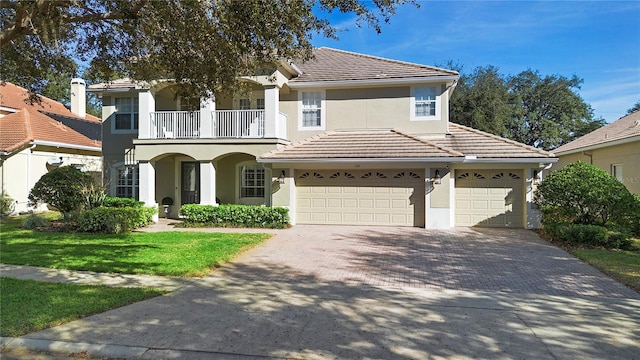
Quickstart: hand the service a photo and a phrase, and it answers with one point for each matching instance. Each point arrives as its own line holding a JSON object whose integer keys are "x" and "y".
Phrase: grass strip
{"x": 28, "y": 306}
{"x": 622, "y": 265}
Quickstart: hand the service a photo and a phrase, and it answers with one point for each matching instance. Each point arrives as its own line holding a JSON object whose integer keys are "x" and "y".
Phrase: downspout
{"x": 2, "y": 159}
{"x": 590, "y": 155}
{"x": 28, "y": 182}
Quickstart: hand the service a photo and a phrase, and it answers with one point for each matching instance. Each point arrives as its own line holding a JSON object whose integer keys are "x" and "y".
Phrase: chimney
{"x": 78, "y": 97}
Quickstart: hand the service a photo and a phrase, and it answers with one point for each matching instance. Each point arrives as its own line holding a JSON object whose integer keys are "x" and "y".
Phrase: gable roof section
{"x": 462, "y": 144}
{"x": 338, "y": 65}
{"x": 370, "y": 144}
{"x": 482, "y": 145}
{"x": 625, "y": 128}
{"x": 48, "y": 121}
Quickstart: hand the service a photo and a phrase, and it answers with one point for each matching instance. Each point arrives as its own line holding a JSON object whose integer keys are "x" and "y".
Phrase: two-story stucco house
{"x": 345, "y": 138}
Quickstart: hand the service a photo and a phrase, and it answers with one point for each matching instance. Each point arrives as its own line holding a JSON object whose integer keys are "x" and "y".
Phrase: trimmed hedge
{"x": 236, "y": 216}
{"x": 118, "y": 202}
{"x": 591, "y": 235}
{"x": 115, "y": 220}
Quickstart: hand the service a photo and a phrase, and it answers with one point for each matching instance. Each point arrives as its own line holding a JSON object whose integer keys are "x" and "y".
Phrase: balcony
{"x": 224, "y": 124}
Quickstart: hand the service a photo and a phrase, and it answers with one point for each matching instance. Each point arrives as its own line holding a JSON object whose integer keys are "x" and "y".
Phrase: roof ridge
{"x": 27, "y": 124}
{"x": 425, "y": 141}
{"x": 452, "y": 72}
{"x": 508, "y": 141}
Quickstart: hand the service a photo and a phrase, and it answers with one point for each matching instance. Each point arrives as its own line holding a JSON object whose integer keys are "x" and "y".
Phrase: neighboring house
{"x": 36, "y": 137}
{"x": 345, "y": 138}
{"x": 614, "y": 148}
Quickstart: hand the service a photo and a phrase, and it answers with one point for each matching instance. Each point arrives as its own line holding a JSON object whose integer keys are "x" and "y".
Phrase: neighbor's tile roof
{"x": 338, "y": 65}
{"x": 387, "y": 144}
{"x": 472, "y": 142}
{"x": 48, "y": 120}
{"x": 392, "y": 144}
{"x": 624, "y": 128}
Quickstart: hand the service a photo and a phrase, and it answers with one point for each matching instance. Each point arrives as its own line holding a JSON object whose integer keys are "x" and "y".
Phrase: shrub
{"x": 114, "y": 220}
{"x": 94, "y": 196}
{"x": 62, "y": 188}
{"x": 236, "y": 215}
{"x": 589, "y": 235}
{"x": 33, "y": 222}
{"x": 6, "y": 204}
{"x": 581, "y": 193}
{"x": 118, "y": 202}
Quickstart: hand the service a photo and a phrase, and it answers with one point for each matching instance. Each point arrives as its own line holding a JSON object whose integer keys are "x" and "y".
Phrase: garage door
{"x": 371, "y": 197}
{"x": 489, "y": 198}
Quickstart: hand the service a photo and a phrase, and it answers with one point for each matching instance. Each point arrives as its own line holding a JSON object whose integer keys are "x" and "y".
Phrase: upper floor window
{"x": 260, "y": 104}
{"x": 126, "y": 116}
{"x": 424, "y": 103}
{"x": 312, "y": 112}
{"x": 245, "y": 104}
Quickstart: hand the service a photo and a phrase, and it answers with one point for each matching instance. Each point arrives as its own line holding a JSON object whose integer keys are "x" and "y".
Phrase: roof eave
{"x": 599, "y": 146}
{"x": 68, "y": 146}
{"x": 386, "y": 81}
{"x": 545, "y": 160}
{"x": 362, "y": 160}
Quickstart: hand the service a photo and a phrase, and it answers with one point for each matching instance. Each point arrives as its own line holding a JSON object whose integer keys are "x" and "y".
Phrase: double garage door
{"x": 365, "y": 197}
{"x": 489, "y": 198}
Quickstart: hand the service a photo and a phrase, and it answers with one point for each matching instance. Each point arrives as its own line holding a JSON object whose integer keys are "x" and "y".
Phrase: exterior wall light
{"x": 437, "y": 179}
{"x": 281, "y": 177}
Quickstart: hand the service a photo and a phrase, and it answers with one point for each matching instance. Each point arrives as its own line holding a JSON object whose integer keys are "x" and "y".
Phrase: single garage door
{"x": 489, "y": 198}
{"x": 370, "y": 197}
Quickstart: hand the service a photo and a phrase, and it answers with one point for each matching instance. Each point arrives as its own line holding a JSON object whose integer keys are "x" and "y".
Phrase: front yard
{"x": 29, "y": 306}
{"x": 622, "y": 265}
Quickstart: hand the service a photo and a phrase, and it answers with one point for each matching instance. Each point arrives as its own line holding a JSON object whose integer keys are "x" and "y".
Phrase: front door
{"x": 190, "y": 183}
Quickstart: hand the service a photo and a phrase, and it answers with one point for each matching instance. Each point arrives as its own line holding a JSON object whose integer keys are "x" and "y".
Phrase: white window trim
{"x": 323, "y": 111}
{"x": 113, "y": 188}
{"x": 412, "y": 108}
{"x": 113, "y": 115}
{"x": 266, "y": 200}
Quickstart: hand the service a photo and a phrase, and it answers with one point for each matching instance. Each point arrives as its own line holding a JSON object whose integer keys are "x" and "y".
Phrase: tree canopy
{"x": 205, "y": 45}
{"x": 544, "y": 111}
{"x": 634, "y": 108}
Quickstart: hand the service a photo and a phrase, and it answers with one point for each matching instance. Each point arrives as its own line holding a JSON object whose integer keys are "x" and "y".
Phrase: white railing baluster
{"x": 226, "y": 124}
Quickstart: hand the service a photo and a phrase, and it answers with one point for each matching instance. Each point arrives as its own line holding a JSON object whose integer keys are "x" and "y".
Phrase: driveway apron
{"x": 384, "y": 293}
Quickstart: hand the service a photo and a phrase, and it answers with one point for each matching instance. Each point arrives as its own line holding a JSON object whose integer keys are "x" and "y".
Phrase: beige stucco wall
{"x": 627, "y": 155}
{"x": 365, "y": 108}
{"x": 21, "y": 171}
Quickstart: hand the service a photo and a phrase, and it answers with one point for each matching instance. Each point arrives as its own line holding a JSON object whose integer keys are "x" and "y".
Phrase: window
{"x": 311, "y": 114}
{"x": 126, "y": 114}
{"x": 245, "y": 104}
{"x": 616, "y": 171}
{"x": 127, "y": 182}
{"x": 260, "y": 104}
{"x": 252, "y": 182}
{"x": 424, "y": 103}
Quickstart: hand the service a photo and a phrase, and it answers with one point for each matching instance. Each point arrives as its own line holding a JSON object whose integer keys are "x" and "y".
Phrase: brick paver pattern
{"x": 502, "y": 260}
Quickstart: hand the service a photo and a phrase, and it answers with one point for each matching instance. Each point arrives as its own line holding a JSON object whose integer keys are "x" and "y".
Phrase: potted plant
{"x": 167, "y": 201}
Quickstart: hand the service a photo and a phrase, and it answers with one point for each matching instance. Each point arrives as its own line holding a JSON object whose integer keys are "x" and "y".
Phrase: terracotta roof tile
{"x": 472, "y": 142}
{"x": 338, "y": 65}
{"x": 624, "y": 128}
{"x": 44, "y": 121}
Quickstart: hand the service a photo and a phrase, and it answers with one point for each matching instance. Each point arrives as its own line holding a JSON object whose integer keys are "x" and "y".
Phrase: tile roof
{"x": 124, "y": 83}
{"x": 626, "y": 127}
{"x": 480, "y": 144}
{"x": 338, "y": 65}
{"x": 393, "y": 144}
{"x": 48, "y": 120}
{"x": 387, "y": 144}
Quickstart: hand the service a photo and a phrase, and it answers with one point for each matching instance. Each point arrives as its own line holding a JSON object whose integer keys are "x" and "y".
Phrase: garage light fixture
{"x": 281, "y": 177}
{"x": 437, "y": 179}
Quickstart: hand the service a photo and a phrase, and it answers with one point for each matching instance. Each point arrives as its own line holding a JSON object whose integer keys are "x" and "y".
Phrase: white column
{"x": 146, "y": 105}
{"x": 292, "y": 196}
{"x": 427, "y": 196}
{"x": 207, "y": 108}
{"x": 147, "y": 173}
{"x": 207, "y": 183}
{"x": 452, "y": 198}
{"x": 271, "y": 111}
{"x": 532, "y": 216}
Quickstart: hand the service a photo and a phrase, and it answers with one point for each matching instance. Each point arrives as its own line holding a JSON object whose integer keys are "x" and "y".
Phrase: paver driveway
{"x": 318, "y": 292}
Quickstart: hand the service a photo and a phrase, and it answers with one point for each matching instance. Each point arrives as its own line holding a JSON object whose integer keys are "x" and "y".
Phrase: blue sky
{"x": 599, "y": 41}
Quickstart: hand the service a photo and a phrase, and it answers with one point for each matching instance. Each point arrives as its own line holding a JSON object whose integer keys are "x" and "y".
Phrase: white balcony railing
{"x": 222, "y": 124}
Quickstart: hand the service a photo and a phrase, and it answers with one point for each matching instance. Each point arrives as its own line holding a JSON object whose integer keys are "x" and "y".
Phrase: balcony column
{"x": 207, "y": 183}
{"x": 147, "y": 174}
{"x": 146, "y": 105}
{"x": 271, "y": 111}
{"x": 207, "y": 116}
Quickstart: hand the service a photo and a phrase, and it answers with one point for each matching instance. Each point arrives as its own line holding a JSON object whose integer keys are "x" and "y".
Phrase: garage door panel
{"x": 372, "y": 200}
{"x": 484, "y": 198}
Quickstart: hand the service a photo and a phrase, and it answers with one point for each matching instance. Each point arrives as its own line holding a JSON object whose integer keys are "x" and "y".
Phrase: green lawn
{"x": 29, "y": 306}
{"x": 622, "y": 265}
{"x": 164, "y": 253}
